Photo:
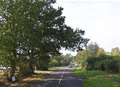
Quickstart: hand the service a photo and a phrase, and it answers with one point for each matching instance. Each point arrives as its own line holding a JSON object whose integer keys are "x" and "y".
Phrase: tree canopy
{"x": 33, "y": 30}
{"x": 115, "y": 51}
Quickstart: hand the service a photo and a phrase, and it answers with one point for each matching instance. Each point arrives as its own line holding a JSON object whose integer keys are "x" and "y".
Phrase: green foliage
{"x": 81, "y": 57}
{"x": 98, "y": 78}
{"x": 61, "y": 60}
{"x": 43, "y": 62}
{"x": 99, "y": 82}
{"x": 33, "y": 30}
{"x": 92, "y": 49}
{"x": 104, "y": 63}
{"x": 95, "y": 58}
{"x": 115, "y": 51}
{"x": 100, "y": 52}
{"x": 86, "y": 74}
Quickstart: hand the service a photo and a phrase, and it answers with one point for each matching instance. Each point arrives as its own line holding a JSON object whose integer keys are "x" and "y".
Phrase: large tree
{"x": 33, "y": 30}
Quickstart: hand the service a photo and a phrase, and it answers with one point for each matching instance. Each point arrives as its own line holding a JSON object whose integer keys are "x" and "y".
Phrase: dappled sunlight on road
{"x": 51, "y": 78}
{"x": 43, "y": 72}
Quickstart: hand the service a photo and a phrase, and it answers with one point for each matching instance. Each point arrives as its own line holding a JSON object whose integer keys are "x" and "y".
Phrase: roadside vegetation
{"x": 24, "y": 81}
{"x": 98, "y": 68}
{"x": 32, "y": 33}
{"x": 98, "y": 78}
{"x": 61, "y": 60}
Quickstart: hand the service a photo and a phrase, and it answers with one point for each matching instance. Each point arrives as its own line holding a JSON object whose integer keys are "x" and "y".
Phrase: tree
{"x": 101, "y": 52}
{"x": 81, "y": 58}
{"x": 33, "y": 30}
{"x": 61, "y": 60}
{"x": 92, "y": 49}
{"x": 115, "y": 51}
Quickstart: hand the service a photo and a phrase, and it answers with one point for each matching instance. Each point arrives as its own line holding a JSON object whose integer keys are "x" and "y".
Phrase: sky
{"x": 99, "y": 18}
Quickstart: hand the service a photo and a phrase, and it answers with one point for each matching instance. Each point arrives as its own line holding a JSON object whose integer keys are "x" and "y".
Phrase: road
{"x": 61, "y": 78}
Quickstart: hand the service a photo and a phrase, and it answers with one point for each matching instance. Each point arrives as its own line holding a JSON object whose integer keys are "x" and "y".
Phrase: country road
{"x": 60, "y": 78}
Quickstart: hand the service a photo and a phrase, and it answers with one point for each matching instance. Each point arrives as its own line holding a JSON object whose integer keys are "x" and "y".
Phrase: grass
{"x": 98, "y": 78}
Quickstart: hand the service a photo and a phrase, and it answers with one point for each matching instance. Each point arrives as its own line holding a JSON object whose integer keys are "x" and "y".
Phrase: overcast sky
{"x": 99, "y": 18}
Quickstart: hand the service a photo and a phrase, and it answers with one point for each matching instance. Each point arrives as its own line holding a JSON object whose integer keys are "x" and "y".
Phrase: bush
{"x": 104, "y": 63}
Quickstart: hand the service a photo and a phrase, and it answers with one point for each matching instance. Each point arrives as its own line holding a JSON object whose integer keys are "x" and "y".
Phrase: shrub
{"x": 104, "y": 63}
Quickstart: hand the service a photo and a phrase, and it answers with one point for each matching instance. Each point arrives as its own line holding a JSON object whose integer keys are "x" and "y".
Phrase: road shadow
{"x": 52, "y": 78}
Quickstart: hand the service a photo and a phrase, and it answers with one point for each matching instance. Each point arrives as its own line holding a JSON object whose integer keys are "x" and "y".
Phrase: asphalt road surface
{"x": 62, "y": 78}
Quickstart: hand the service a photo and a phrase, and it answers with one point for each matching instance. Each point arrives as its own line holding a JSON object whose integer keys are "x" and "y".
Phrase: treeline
{"x": 95, "y": 58}
{"x": 61, "y": 60}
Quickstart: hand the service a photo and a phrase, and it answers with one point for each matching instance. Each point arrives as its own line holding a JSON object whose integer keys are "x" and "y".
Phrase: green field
{"x": 98, "y": 78}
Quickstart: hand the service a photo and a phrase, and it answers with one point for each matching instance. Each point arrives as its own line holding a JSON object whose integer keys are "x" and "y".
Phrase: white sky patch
{"x": 64, "y": 52}
{"x": 99, "y": 18}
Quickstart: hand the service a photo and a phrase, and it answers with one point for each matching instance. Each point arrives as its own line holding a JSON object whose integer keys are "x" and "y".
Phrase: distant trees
{"x": 115, "y": 51}
{"x": 92, "y": 49}
{"x": 61, "y": 60}
{"x": 95, "y": 58}
{"x": 105, "y": 63}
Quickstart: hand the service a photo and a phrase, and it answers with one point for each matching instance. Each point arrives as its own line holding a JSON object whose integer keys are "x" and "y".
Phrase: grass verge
{"x": 98, "y": 78}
